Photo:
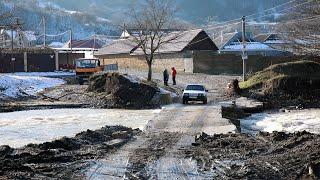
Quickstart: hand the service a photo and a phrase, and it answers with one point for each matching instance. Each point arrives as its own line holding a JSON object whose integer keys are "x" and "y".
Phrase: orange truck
{"x": 85, "y": 67}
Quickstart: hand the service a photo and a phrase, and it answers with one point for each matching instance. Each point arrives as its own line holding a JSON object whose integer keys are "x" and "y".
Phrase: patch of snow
{"x": 21, "y": 128}
{"x": 249, "y": 46}
{"x": 172, "y": 94}
{"x": 101, "y": 19}
{"x": 45, "y": 74}
{"x": 305, "y": 120}
{"x": 56, "y": 45}
{"x": 275, "y": 42}
{"x": 15, "y": 85}
{"x": 133, "y": 79}
{"x": 48, "y": 4}
{"x": 71, "y": 12}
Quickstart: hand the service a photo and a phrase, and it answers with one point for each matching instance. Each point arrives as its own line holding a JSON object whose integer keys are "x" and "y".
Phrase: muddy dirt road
{"x": 158, "y": 153}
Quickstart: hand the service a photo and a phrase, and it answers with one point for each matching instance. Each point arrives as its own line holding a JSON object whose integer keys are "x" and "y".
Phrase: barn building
{"x": 179, "y": 53}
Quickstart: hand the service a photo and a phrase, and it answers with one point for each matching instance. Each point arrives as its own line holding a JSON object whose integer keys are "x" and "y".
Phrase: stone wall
{"x": 208, "y": 62}
{"x": 214, "y": 63}
{"x": 161, "y": 62}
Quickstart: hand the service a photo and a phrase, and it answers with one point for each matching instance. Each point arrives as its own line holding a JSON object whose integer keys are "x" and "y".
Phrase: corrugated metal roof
{"x": 262, "y": 37}
{"x": 121, "y": 46}
{"x": 177, "y": 42}
{"x": 223, "y": 39}
{"x": 90, "y": 43}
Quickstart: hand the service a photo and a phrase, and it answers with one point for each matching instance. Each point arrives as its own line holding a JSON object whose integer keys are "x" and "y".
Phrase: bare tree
{"x": 301, "y": 27}
{"x": 151, "y": 21}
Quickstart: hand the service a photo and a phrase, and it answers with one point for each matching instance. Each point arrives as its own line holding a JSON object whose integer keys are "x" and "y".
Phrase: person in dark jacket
{"x": 174, "y": 74}
{"x": 165, "y": 77}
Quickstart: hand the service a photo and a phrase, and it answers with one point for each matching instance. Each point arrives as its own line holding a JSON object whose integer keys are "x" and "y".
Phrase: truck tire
{"x": 81, "y": 82}
{"x": 205, "y": 101}
{"x": 184, "y": 101}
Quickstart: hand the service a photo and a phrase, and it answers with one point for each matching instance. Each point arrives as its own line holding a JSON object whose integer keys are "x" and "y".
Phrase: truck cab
{"x": 85, "y": 67}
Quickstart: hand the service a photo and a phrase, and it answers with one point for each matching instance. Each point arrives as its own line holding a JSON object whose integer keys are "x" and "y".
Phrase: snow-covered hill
{"x": 58, "y": 18}
{"x": 88, "y": 17}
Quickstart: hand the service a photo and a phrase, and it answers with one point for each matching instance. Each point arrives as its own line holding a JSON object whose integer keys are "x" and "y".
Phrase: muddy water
{"x": 21, "y": 128}
{"x": 293, "y": 121}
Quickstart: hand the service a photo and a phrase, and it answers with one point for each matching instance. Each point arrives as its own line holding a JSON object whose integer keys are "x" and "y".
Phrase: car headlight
{"x": 201, "y": 95}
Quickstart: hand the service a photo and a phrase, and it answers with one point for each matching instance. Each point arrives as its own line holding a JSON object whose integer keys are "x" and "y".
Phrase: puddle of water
{"x": 294, "y": 121}
{"x": 21, "y": 128}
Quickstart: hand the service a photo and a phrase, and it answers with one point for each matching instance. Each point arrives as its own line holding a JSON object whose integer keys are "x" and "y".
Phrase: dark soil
{"x": 153, "y": 149}
{"x": 120, "y": 91}
{"x": 62, "y": 158}
{"x": 264, "y": 156}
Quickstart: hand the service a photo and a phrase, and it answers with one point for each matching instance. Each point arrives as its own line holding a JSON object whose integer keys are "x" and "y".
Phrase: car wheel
{"x": 205, "y": 102}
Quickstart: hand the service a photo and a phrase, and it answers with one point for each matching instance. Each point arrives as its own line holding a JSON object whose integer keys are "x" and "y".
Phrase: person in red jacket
{"x": 174, "y": 74}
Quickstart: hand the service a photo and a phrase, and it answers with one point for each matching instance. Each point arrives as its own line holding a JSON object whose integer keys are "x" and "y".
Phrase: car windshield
{"x": 87, "y": 63}
{"x": 195, "y": 88}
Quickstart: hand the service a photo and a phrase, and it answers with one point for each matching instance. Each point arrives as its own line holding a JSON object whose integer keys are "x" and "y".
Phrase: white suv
{"x": 195, "y": 92}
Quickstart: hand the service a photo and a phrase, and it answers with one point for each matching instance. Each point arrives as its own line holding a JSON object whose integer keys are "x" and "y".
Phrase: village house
{"x": 231, "y": 43}
{"x": 179, "y": 53}
{"x": 69, "y": 52}
{"x": 275, "y": 41}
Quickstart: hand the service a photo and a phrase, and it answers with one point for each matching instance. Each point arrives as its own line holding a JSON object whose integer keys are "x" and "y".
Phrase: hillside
{"x": 294, "y": 83}
{"x": 88, "y": 17}
{"x": 58, "y": 18}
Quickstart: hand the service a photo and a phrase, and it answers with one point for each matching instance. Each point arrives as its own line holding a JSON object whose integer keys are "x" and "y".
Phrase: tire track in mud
{"x": 124, "y": 163}
{"x": 157, "y": 154}
{"x": 171, "y": 164}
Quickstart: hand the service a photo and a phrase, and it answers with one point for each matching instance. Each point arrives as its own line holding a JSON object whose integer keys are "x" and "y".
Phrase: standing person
{"x": 174, "y": 74}
{"x": 165, "y": 77}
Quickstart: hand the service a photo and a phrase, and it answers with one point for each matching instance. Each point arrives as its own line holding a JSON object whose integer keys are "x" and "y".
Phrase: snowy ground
{"x": 45, "y": 74}
{"x": 28, "y": 84}
{"x": 308, "y": 120}
{"x": 21, "y": 128}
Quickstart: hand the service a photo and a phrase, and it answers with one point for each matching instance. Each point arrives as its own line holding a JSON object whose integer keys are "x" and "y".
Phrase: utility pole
{"x": 44, "y": 31}
{"x": 244, "y": 52}
{"x": 70, "y": 36}
{"x": 94, "y": 44}
{"x": 12, "y": 59}
{"x": 70, "y": 47}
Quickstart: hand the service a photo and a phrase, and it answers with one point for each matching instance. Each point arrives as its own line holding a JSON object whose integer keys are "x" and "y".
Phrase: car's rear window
{"x": 195, "y": 88}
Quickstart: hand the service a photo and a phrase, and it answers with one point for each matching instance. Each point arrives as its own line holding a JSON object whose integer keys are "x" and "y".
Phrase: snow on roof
{"x": 178, "y": 42}
{"x": 56, "y": 45}
{"x": 251, "y": 46}
{"x": 121, "y": 46}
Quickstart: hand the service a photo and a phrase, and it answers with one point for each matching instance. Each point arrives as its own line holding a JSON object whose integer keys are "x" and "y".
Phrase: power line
{"x": 218, "y": 27}
{"x": 272, "y": 8}
{"x": 229, "y": 21}
{"x": 271, "y": 14}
